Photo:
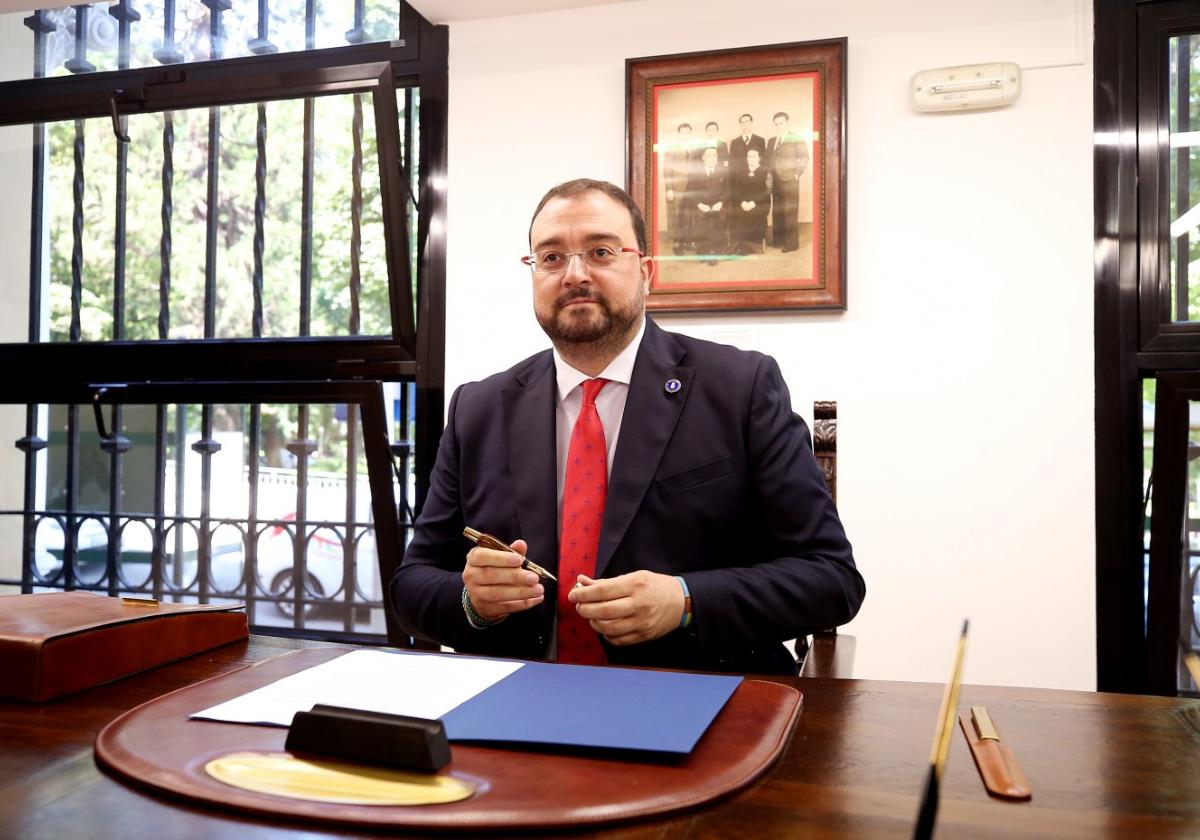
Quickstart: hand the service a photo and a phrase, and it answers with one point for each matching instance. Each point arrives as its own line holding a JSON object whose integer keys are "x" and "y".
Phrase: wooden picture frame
{"x": 711, "y": 216}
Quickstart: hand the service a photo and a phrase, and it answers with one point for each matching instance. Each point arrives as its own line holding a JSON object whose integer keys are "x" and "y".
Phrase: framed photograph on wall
{"x": 737, "y": 160}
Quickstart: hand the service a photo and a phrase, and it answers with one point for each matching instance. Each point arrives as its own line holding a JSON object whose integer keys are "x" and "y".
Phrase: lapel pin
{"x": 672, "y": 386}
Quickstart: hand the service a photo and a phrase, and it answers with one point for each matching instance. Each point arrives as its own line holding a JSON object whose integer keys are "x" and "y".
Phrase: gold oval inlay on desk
{"x": 282, "y": 774}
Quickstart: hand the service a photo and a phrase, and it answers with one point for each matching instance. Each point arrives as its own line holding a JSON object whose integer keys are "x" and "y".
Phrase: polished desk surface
{"x": 1101, "y": 765}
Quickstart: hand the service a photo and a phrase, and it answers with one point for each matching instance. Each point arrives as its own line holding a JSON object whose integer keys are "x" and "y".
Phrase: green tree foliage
{"x": 333, "y": 204}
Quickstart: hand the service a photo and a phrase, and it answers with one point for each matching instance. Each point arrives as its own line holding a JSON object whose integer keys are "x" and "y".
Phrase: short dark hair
{"x": 682, "y": 126}
{"x": 713, "y": 123}
{"x": 745, "y": 117}
{"x": 571, "y": 189}
{"x": 779, "y": 114}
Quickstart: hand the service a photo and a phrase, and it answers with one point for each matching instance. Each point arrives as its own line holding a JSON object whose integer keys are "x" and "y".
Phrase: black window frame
{"x": 1135, "y": 336}
{"x": 1158, "y": 331}
{"x": 36, "y": 372}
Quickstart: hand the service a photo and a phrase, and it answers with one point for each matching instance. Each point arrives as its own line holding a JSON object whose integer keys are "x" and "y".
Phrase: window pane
{"x": 1183, "y": 95}
{"x": 1190, "y": 617}
{"x": 206, "y": 499}
{"x": 12, "y": 461}
{"x": 17, "y": 164}
{"x": 334, "y": 239}
{"x": 250, "y": 159}
{"x": 80, "y": 202}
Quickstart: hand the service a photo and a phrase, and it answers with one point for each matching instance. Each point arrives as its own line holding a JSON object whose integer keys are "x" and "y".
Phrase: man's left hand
{"x": 632, "y": 608}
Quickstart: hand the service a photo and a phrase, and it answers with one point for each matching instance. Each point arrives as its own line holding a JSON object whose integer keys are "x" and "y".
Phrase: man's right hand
{"x": 496, "y": 583}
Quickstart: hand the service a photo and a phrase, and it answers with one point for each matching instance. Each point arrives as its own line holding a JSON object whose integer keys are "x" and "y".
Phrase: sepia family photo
{"x": 735, "y": 158}
{"x": 733, "y": 180}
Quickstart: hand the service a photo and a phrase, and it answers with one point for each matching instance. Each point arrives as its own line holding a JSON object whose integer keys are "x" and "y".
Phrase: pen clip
{"x": 139, "y": 602}
{"x": 984, "y": 727}
{"x": 485, "y": 540}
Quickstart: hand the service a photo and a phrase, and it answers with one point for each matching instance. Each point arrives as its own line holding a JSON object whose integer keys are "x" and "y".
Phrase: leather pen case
{"x": 1002, "y": 775}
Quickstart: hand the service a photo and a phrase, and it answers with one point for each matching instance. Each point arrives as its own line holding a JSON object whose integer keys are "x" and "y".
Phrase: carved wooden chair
{"x": 827, "y": 654}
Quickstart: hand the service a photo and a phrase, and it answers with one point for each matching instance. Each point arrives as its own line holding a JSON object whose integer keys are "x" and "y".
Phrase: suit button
{"x": 541, "y": 640}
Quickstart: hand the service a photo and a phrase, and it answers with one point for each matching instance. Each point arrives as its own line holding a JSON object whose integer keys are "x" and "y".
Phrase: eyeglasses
{"x": 598, "y": 256}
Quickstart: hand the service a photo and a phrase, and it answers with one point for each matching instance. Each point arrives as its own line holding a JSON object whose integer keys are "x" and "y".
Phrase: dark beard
{"x": 603, "y": 333}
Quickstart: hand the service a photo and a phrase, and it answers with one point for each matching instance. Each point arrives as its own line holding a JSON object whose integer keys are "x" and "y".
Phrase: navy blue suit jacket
{"x": 716, "y": 482}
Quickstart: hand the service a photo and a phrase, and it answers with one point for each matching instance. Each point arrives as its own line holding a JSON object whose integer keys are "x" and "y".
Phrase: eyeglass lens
{"x": 601, "y": 256}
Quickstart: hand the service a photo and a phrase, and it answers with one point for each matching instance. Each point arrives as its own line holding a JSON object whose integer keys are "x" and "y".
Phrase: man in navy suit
{"x": 718, "y": 539}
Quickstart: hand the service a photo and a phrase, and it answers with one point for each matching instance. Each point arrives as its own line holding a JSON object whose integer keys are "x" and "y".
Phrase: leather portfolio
{"x": 61, "y": 642}
{"x": 157, "y": 745}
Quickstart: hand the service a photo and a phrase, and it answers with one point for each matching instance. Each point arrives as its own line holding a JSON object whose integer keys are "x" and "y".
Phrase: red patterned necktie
{"x": 584, "y": 491}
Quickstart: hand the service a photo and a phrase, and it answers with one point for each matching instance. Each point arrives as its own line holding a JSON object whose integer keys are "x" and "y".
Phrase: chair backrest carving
{"x": 825, "y": 441}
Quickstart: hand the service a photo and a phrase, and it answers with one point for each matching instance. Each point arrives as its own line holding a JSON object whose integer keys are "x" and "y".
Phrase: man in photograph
{"x": 709, "y": 194}
{"x": 750, "y": 195}
{"x": 743, "y": 143}
{"x": 677, "y": 167}
{"x": 787, "y": 158}
{"x": 713, "y": 140}
{"x": 664, "y": 480}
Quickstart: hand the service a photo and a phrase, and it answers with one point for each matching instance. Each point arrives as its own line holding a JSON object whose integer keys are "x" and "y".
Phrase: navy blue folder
{"x": 584, "y": 706}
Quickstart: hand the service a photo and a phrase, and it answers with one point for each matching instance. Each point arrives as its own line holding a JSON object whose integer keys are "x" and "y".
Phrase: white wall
{"x": 963, "y": 366}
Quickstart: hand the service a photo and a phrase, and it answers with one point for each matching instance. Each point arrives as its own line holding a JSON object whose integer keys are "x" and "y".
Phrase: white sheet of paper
{"x": 419, "y": 685}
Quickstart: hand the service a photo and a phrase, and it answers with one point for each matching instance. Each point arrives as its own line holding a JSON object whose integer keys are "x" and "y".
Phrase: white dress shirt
{"x": 610, "y": 403}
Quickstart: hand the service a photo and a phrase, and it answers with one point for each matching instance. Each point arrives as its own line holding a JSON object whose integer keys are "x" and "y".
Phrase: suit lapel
{"x": 651, "y": 414}
{"x": 532, "y": 458}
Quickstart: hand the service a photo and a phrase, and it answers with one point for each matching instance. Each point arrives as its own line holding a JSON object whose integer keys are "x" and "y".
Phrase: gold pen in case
{"x": 998, "y": 767}
{"x": 488, "y": 541}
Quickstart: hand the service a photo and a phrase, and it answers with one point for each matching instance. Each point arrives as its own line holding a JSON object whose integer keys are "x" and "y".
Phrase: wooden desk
{"x": 1100, "y": 765}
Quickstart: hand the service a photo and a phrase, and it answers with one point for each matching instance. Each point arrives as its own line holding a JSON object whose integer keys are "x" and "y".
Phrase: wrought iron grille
{"x": 283, "y": 279}
{"x": 108, "y": 36}
{"x": 216, "y": 501}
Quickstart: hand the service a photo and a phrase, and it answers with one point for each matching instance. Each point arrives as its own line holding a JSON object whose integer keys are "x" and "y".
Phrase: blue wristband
{"x": 685, "y": 620}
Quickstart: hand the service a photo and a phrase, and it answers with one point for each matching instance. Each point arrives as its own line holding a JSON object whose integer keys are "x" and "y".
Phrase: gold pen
{"x": 139, "y": 602}
{"x": 927, "y": 813}
{"x": 488, "y": 541}
{"x": 1192, "y": 663}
